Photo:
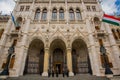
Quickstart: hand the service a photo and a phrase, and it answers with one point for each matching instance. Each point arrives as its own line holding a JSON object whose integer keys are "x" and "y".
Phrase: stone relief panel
{"x": 74, "y": 5}
{"x": 58, "y": 6}
{"x": 53, "y": 28}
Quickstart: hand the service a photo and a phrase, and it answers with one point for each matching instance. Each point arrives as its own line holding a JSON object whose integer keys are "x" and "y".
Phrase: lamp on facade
{"x": 106, "y": 64}
{"x": 6, "y": 69}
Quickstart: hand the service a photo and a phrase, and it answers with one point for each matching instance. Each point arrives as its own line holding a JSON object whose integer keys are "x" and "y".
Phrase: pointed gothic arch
{"x": 35, "y": 58}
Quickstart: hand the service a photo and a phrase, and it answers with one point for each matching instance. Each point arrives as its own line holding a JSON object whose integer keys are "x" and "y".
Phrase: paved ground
{"x": 76, "y": 77}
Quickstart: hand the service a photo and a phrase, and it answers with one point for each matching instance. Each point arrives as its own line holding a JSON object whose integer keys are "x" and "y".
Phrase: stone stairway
{"x": 76, "y": 77}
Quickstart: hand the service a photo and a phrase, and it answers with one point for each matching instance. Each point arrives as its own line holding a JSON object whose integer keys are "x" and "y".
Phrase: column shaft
{"x": 46, "y": 62}
{"x": 69, "y": 62}
{"x": 93, "y": 56}
{"x": 20, "y": 60}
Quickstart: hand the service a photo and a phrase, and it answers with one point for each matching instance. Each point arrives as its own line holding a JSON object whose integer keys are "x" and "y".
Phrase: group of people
{"x": 52, "y": 72}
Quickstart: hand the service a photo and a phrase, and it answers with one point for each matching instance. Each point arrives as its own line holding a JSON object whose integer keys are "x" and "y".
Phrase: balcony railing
{"x": 14, "y": 33}
{"x": 100, "y": 33}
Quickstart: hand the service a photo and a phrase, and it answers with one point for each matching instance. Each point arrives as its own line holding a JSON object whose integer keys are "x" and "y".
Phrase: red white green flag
{"x": 111, "y": 19}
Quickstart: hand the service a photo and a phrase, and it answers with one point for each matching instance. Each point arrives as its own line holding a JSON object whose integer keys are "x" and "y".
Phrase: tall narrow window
{"x": 114, "y": 34}
{"x": 118, "y": 32}
{"x": 15, "y": 42}
{"x": 97, "y": 23}
{"x": 71, "y": 14}
{"x": 88, "y": 8}
{"x": 27, "y": 8}
{"x": 12, "y": 62}
{"x": 44, "y": 14}
{"x": 18, "y": 23}
{"x": 1, "y": 32}
{"x": 21, "y": 8}
{"x": 37, "y": 14}
{"x": 100, "y": 42}
{"x": 61, "y": 14}
{"x": 93, "y": 8}
{"x": 54, "y": 14}
{"x": 78, "y": 15}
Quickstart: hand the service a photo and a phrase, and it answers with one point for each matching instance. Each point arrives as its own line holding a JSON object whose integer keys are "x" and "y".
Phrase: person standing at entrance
{"x": 53, "y": 72}
{"x": 57, "y": 72}
{"x": 49, "y": 72}
{"x": 63, "y": 72}
{"x": 67, "y": 72}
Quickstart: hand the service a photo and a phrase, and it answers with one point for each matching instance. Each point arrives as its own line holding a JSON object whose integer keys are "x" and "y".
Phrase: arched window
{"x": 44, "y": 14}
{"x": 114, "y": 34}
{"x": 100, "y": 42}
{"x": 18, "y": 23}
{"x": 118, "y": 32}
{"x": 37, "y": 14}
{"x": 71, "y": 14}
{"x": 54, "y": 14}
{"x": 78, "y": 14}
{"x": 97, "y": 23}
{"x": 61, "y": 14}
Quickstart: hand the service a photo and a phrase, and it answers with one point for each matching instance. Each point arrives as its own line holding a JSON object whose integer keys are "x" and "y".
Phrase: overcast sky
{"x": 108, "y": 6}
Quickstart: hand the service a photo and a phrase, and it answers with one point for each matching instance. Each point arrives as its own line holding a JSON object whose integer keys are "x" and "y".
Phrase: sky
{"x": 109, "y": 6}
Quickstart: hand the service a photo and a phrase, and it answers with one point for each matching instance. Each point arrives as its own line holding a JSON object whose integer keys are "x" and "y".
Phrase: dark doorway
{"x": 59, "y": 68}
{"x": 35, "y": 58}
{"x": 80, "y": 58}
{"x": 57, "y": 58}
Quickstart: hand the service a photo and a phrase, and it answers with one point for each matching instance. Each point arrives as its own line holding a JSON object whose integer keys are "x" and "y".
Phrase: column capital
{"x": 69, "y": 49}
{"x": 46, "y": 49}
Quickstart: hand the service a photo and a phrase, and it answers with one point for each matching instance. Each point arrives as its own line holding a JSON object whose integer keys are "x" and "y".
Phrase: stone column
{"x": 25, "y": 39}
{"x": 69, "y": 62}
{"x": 58, "y": 14}
{"x": 46, "y": 62}
{"x": 83, "y": 11}
{"x": 66, "y": 12}
{"x": 75, "y": 16}
{"x": 93, "y": 54}
{"x": 20, "y": 53}
{"x": 115, "y": 50}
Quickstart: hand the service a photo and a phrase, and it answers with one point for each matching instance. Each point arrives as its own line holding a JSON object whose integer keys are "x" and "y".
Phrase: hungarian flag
{"x": 111, "y": 19}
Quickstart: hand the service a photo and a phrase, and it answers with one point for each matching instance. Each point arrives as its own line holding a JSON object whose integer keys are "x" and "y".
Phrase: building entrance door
{"x": 59, "y": 67}
{"x": 57, "y": 57}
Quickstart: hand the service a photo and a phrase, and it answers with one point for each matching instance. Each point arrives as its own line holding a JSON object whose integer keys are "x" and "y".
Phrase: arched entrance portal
{"x": 80, "y": 57}
{"x": 35, "y": 58}
{"x": 57, "y": 55}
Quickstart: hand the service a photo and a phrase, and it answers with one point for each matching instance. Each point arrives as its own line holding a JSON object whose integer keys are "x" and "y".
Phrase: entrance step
{"x": 76, "y": 77}
{"x": 115, "y": 78}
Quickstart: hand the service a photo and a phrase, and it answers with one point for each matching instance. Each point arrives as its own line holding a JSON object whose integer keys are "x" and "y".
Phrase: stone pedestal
{"x": 109, "y": 75}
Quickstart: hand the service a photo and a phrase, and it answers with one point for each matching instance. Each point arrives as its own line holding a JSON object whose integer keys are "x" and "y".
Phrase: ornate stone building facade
{"x": 59, "y": 34}
{"x": 3, "y": 22}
